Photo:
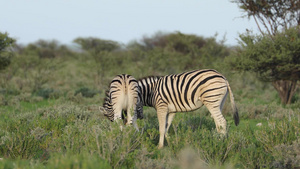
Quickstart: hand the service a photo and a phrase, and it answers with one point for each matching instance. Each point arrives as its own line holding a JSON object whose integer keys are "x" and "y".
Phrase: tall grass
{"x": 37, "y": 136}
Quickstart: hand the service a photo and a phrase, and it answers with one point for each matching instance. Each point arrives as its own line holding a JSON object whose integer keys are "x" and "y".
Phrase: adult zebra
{"x": 124, "y": 95}
{"x": 186, "y": 92}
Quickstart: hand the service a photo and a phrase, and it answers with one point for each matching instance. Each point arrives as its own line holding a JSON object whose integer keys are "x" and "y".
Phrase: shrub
{"x": 5, "y": 55}
{"x": 86, "y": 92}
{"x": 59, "y": 161}
{"x": 287, "y": 156}
{"x": 47, "y": 93}
{"x": 47, "y": 49}
{"x": 9, "y": 92}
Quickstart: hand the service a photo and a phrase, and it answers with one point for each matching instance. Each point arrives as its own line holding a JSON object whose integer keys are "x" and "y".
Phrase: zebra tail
{"x": 234, "y": 108}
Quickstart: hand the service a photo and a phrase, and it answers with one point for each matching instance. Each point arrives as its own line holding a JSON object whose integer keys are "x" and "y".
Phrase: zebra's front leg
{"x": 162, "y": 119}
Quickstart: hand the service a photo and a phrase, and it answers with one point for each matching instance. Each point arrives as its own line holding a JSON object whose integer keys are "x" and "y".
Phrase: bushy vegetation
{"x": 275, "y": 54}
{"x": 275, "y": 59}
{"x": 49, "y": 115}
{"x": 5, "y": 54}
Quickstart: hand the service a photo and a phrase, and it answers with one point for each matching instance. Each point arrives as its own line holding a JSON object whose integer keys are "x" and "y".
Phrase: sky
{"x": 120, "y": 20}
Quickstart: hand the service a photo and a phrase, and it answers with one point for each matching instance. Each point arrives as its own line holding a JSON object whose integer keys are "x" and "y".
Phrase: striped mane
{"x": 149, "y": 77}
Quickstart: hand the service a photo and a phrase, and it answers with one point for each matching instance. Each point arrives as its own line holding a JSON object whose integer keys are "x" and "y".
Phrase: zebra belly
{"x": 184, "y": 108}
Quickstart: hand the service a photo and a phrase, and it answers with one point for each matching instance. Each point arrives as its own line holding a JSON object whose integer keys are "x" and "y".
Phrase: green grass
{"x": 23, "y": 106}
{"x": 59, "y": 161}
{"x": 63, "y": 134}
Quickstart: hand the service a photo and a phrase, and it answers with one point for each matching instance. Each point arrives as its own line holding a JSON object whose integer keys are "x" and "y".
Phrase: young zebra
{"x": 123, "y": 95}
{"x": 186, "y": 92}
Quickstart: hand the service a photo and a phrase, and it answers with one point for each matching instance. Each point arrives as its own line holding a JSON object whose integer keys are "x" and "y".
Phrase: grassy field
{"x": 49, "y": 118}
{"x": 64, "y": 134}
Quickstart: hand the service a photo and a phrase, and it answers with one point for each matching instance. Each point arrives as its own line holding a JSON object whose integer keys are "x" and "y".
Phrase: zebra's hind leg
{"x": 219, "y": 119}
{"x": 214, "y": 104}
{"x": 162, "y": 119}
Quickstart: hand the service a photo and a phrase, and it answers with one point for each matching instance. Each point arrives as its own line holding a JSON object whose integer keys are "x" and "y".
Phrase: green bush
{"x": 46, "y": 49}
{"x": 287, "y": 155}
{"x": 86, "y": 92}
{"x": 177, "y": 52}
{"x": 9, "y": 92}
{"x": 59, "y": 161}
{"x": 5, "y": 55}
{"x": 45, "y": 93}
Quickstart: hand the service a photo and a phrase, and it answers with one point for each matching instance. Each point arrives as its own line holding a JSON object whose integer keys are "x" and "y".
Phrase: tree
{"x": 5, "y": 55}
{"x": 275, "y": 54}
{"x": 97, "y": 45}
{"x": 48, "y": 49}
{"x": 187, "y": 51}
{"x": 272, "y": 15}
{"x": 101, "y": 51}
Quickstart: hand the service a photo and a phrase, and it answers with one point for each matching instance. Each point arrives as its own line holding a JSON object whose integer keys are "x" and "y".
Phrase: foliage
{"x": 275, "y": 54}
{"x": 96, "y": 45}
{"x": 176, "y": 52}
{"x": 5, "y": 55}
{"x": 288, "y": 155}
{"x": 59, "y": 161}
{"x": 273, "y": 59}
{"x": 86, "y": 92}
{"x": 181, "y": 43}
{"x": 40, "y": 136}
{"x": 46, "y": 49}
{"x": 47, "y": 93}
{"x": 272, "y": 15}
{"x": 100, "y": 50}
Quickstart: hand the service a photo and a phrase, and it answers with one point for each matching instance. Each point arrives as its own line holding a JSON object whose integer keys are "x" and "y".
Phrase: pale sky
{"x": 120, "y": 20}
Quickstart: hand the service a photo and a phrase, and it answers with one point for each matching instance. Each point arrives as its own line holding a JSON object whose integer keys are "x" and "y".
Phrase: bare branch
{"x": 273, "y": 15}
{"x": 258, "y": 25}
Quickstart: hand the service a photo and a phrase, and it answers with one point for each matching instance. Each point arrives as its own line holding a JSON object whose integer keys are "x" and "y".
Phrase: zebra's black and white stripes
{"x": 186, "y": 92}
{"x": 123, "y": 96}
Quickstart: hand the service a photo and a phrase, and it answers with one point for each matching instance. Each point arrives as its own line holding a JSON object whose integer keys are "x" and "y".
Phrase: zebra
{"x": 123, "y": 96}
{"x": 185, "y": 92}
